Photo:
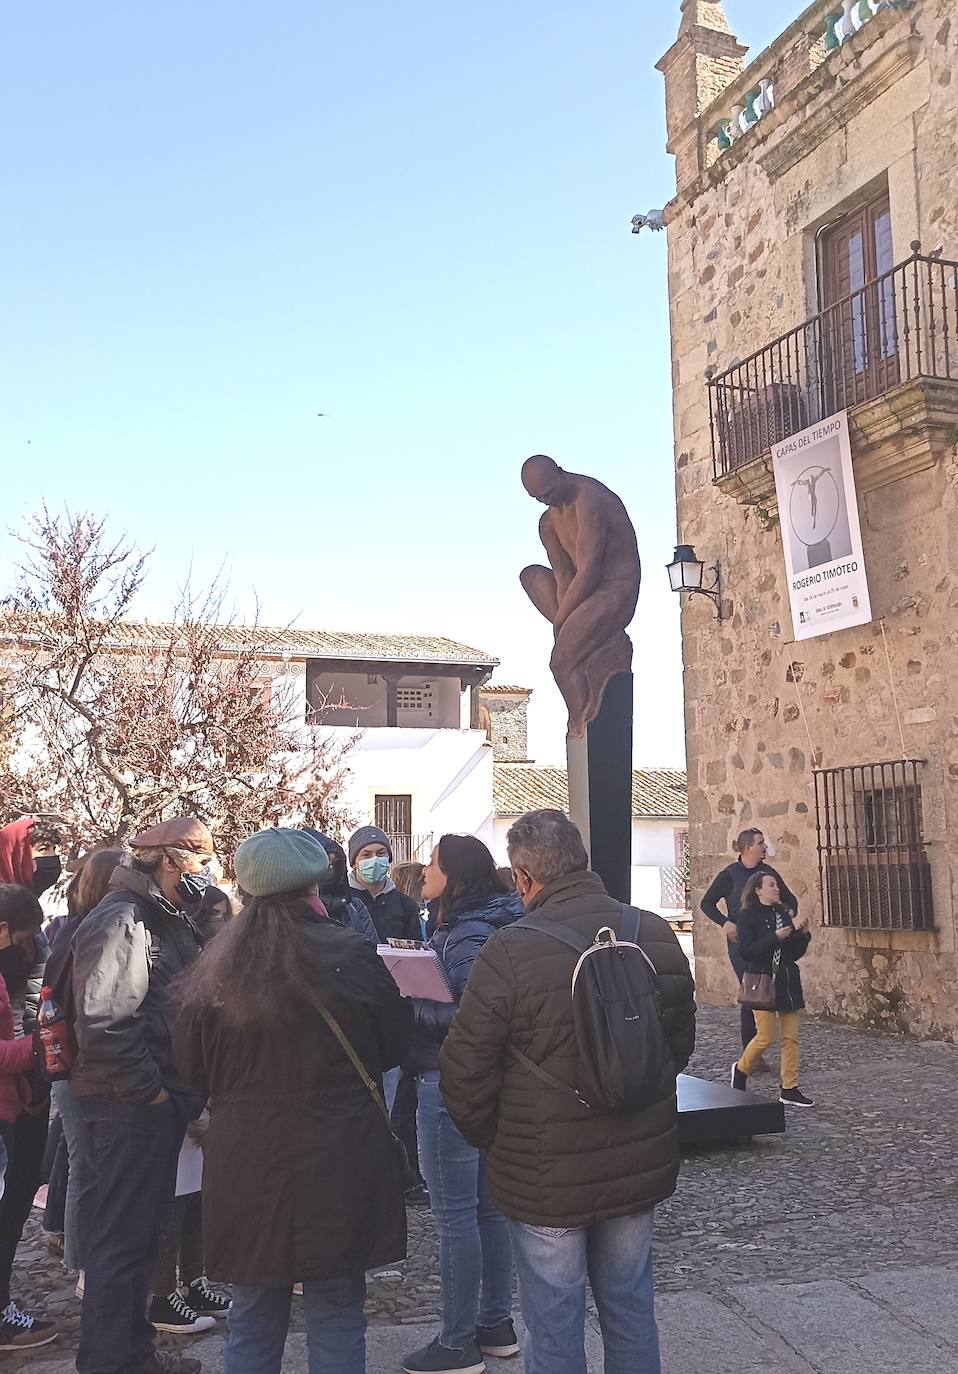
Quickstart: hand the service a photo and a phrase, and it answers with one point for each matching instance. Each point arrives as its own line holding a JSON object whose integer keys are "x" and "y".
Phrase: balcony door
{"x": 859, "y": 328}
{"x": 393, "y": 814}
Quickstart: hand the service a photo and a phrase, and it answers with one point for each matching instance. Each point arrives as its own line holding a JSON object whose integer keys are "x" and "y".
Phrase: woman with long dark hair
{"x": 286, "y": 1025}
{"x": 475, "y": 1253}
{"x": 771, "y": 940}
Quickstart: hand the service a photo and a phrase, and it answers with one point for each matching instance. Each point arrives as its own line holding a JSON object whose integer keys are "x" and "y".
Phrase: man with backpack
{"x": 561, "y": 1066}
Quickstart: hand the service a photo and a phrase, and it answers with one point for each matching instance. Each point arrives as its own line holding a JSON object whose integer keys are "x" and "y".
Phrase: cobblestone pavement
{"x": 866, "y": 1181}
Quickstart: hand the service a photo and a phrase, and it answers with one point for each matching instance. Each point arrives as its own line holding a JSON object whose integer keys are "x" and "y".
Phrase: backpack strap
{"x": 545, "y": 1076}
{"x": 631, "y": 925}
{"x": 556, "y": 932}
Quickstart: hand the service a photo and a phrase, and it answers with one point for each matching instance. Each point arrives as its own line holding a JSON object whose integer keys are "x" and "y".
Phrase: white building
{"x": 420, "y": 763}
{"x": 659, "y": 826}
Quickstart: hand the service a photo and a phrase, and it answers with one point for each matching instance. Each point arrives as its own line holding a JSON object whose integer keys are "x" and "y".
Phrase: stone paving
{"x": 833, "y": 1249}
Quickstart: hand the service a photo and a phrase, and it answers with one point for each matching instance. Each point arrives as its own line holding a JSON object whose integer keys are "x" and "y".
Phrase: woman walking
{"x": 771, "y": 941}
{"x": 286, "y": 1026}
{"x": 475, "y": 1253}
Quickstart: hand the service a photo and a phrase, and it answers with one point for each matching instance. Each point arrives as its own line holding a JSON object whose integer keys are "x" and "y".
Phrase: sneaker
{"x": 439, "y": 1359}
{"x": 794, "y": 1097}
{"x": 499, "y": 1341}
{"x": 417, "y": 1197}
{"x": 81, "y": 1283}
{"x": 165, "y": 1362}
{"x": 297, "y": 1290}
{"x": 739, "y": 1079}
{"x": 21, "y": 1332}
{"x": 206, "y": 1301}
{"x": 174, "y": 1314}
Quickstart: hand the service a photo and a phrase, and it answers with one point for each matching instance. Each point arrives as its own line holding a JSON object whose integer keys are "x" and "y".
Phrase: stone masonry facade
{"x": 763, "y": 712}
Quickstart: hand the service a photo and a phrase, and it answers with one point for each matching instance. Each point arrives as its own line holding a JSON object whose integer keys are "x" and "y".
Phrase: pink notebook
{"x": 416, "y": 972}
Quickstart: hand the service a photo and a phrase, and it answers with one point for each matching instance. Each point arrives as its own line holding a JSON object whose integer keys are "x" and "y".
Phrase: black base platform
{"x": 715, "y": 1114}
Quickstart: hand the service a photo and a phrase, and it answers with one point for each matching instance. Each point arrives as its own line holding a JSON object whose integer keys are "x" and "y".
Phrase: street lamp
{"x": 686, "y": 572}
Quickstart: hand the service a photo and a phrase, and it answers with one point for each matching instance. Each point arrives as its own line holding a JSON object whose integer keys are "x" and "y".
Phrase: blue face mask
{"x": 373, "y": 871}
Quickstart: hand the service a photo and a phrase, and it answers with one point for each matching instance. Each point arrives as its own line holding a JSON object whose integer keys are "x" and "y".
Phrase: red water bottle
{"x": 54, "y": 1037}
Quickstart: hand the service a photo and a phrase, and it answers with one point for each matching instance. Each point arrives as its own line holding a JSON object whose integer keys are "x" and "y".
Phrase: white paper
{"x": 189, "y": 1169}
{"x": 821, "y": 534}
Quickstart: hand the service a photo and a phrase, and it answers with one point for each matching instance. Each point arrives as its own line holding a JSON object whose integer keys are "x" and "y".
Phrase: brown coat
{"x": 552, "y": 1161}
{"x": 301, "y": 1180}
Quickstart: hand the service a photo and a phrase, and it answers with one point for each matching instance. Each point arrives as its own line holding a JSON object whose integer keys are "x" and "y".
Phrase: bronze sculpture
{"x": 592, "y": 589}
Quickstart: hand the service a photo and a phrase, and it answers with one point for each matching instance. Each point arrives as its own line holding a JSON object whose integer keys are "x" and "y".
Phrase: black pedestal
{"x": 715, "y": 1114}
{"x": 600, "y": 788}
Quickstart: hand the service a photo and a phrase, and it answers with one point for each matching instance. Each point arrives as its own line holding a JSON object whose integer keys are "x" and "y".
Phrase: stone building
{"x": 504, "y": 715}
{"x": 812, "y": 248}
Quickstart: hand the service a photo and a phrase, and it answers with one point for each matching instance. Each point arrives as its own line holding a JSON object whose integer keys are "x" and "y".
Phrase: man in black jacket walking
{"x": 128, "y": 953}
{"x": 728, "y": 886}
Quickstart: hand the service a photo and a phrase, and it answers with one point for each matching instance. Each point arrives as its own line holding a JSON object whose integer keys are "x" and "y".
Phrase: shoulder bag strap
{"x": 357, "y": 1063}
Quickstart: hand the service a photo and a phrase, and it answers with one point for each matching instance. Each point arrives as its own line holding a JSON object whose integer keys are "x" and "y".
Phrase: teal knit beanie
{"x": 277, "y": 861}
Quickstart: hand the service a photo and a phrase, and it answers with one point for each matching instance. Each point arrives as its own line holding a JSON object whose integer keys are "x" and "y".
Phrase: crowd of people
{"x": 265, "y": 1029}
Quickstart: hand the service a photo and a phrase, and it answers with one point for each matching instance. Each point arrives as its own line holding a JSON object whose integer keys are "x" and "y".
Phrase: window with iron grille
{"x": 875, "y": 871}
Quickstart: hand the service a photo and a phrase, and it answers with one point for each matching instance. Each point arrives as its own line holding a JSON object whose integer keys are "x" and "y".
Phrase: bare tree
{"x": 118, "y": 724}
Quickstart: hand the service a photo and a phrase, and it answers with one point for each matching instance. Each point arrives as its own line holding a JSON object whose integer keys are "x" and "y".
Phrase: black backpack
{"x": 625, "y": 1063}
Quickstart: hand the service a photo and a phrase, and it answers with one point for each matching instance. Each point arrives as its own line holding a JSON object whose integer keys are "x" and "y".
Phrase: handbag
{"x": 757, "y": 990}
{"x": 409, "y": 1178}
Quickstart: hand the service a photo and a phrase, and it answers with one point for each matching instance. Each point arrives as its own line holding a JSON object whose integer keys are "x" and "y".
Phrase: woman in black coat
{"x": 303, "y": 1183}
{"x": 771, "y": 940}
{"x": 475, "y": 1253}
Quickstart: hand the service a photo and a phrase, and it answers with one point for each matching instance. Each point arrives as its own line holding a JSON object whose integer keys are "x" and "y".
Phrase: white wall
{"x": 653, "y": 848}
{"x": 448, "y": 774}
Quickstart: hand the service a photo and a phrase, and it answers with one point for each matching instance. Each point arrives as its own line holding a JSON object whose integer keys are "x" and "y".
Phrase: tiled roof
{"x": 494, "y": 689}
{"x": 657, "y": 793}
{"x": 273, "y": 641}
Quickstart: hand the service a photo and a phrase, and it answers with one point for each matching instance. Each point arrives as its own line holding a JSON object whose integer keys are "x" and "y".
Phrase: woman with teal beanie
{"x": 287, "y": 1024}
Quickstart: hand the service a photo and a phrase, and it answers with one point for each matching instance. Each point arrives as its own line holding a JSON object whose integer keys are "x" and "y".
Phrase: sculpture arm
{"x": 589, "y": 561}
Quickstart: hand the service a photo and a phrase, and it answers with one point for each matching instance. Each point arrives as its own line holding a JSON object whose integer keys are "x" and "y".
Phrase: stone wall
{"x": 507, "y": 724}
{"x": 762, "y": 713}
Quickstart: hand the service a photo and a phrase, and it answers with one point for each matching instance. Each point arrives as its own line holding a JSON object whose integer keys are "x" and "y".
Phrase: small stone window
{"x": 875, "y": 871}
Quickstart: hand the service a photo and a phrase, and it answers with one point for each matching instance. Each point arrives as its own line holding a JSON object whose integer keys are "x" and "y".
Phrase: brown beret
{"x": 185, "y": 832}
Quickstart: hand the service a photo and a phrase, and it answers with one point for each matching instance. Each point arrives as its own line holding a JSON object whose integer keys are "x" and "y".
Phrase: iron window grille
{"x": 874, "y": 867}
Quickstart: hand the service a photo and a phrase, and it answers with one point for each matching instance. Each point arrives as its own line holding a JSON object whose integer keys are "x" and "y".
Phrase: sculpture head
{"x": 543, "y": 479}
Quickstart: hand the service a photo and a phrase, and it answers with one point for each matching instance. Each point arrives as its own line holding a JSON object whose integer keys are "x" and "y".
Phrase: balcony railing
{"x": 411, "y": 849}
{"x": 901, "y": 327}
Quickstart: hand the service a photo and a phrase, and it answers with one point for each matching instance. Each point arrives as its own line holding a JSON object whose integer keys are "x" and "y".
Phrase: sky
{"x": 224, "y": 218}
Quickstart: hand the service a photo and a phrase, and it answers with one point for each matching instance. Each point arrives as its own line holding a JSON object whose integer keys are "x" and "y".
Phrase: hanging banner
{"x": 821, "y": 534}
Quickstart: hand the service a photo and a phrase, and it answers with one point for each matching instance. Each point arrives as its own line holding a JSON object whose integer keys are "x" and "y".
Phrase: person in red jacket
{"x": 20, "y": 920}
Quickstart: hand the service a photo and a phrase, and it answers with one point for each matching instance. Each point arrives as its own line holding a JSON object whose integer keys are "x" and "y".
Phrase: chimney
{"x": 703, "y": 61}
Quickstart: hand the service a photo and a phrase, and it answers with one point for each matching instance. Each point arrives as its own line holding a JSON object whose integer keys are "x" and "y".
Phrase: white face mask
{"x": 770, "y": 850}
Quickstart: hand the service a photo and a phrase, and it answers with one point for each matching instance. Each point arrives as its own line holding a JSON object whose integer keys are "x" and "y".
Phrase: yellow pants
{"x": 766, "y": 1030}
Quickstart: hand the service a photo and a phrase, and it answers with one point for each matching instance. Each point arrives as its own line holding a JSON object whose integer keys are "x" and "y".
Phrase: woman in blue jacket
{"x": 475, "y": 1253}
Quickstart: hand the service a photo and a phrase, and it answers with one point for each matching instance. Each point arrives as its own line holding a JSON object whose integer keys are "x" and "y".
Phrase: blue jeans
{"x": 258, "y": 1324}
{"x": 616, "y": 1258}
{"x": 135, "y": 1150}
{"x": 475, "y": 1252}
{"x": 81, "y": 1181}
{"x": 747, "y": 1019}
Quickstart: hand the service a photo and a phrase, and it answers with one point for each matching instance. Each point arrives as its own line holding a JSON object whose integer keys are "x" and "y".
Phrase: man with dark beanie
{"x": 128, "y": 954}
{"x": 395, "y": 915}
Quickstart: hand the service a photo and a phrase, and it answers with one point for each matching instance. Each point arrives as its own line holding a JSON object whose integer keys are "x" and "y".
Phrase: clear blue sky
{"x": 223, "y": 217}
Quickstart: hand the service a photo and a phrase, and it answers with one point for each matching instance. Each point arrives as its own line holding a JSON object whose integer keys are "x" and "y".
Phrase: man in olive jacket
{"x": 578, "y": 1187}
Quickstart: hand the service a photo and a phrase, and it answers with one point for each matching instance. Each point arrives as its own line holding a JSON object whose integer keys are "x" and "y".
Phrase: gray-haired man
{"x": 578, "y": 1188}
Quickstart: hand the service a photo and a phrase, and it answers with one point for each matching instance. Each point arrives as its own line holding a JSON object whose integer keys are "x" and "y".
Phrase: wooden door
{"x": 859, "y": 327}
